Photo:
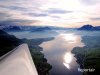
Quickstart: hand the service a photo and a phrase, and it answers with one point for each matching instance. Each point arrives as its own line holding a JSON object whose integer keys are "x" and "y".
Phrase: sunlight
{"x": 70, "y": 38}
{"x": 67, "y": 59}
{"x": 67, "y": 65}
{"x": 70, "y": 3}
{"x": 67, "y": 4}
{"x": 63, "y": 4}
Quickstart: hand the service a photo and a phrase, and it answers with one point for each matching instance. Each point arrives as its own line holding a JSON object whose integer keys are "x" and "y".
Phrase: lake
{"x": 58, "y": 51}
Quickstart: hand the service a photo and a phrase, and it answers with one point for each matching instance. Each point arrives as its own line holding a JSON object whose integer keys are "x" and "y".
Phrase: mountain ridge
{"x": 89, "y": 27}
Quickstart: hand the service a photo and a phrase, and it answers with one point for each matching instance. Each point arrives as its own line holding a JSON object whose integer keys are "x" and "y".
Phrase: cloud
{"x": 5, "y": 0}
{"x": 55, "y": 16}
{"x": 49, "y": 11}
{"x": 17, "y": 8}
{"x": 37, "y": 14}
{"x": 3, "y": 15}
{"x": 57, "y": 11}
{"x": 89, "y": 2}
{"x": 95, "y": 19}
{"x": 18, "y": 22}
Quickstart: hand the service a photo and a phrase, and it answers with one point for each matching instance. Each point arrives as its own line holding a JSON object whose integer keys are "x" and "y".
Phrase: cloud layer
{"x": 67, "y": 13}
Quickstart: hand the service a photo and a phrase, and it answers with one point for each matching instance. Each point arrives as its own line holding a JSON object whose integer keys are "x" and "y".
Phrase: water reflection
{"x": 70, "y": 38}
{"x": 58, "y": 53}
{"x": 73, "y": 41}
{"x": 67, "y": 59}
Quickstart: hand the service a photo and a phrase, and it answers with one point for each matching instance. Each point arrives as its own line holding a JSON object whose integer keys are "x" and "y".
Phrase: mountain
{"x": 89, "y": 27}
{"x": 12, "y": 28}
{"x": 7, "y": 42}
{"x": 41, "y": 29}
{"x": 97, "y": 27}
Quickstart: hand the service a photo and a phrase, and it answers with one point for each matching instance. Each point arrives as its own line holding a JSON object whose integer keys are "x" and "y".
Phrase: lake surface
{"x": 58, "y": 51}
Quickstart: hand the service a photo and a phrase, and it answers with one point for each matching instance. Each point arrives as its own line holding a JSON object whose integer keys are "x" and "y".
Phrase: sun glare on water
{"x": 70, "y": 38}
{"x": 67, "y": 59}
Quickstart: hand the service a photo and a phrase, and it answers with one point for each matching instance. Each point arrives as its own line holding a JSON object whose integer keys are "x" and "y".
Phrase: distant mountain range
{"x": 40, "y": 29}
{"x": 30, "y": 28}
{"x": 12, "y": 28}
{"x": 44, "y": 28}
{"x": 89, "y": 27}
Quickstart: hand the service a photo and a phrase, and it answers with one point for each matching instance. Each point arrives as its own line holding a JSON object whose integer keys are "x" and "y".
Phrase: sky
{"x": 63, "y": 13}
